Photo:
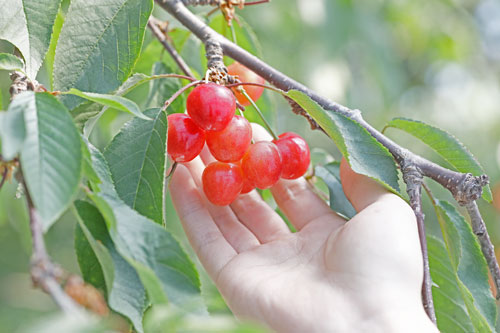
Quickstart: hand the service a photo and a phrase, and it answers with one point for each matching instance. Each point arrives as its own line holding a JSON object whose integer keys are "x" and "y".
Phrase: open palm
{"x": 330, "y": 276}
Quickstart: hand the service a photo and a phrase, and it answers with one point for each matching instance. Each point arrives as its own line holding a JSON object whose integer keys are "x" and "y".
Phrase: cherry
{"x": 211, "y": 106}
{"x": 230, "y": 144}
{"x": 222, "y": 182}
{"x": 295, "y": 155}
{"x": 185, "y": 140}
{"x": 262, "y": 164}
{"x": 246, "y": 75}
{"x": 247, "y": 186}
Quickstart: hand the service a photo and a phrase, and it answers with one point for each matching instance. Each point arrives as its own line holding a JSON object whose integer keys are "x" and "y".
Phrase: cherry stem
{"x": 180, "y": 91}
{"x": 261, "y": 115}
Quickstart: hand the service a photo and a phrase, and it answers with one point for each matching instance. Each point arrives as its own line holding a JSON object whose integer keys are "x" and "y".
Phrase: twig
{"x": 153, "y": 25}
{"x": 413, "y": 179}
{"x": 479, "y": 229}
{"x": 44, "y": 273}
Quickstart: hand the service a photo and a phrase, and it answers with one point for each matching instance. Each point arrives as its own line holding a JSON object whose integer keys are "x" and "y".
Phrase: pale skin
{"x": 364, "y": 275}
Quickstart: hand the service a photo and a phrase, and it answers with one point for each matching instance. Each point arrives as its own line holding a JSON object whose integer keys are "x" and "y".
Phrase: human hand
{"x": 330, "y": 276}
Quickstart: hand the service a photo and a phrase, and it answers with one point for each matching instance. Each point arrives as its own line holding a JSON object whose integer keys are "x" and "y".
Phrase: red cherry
{"x": 262, "y": 164}
{"x": 295, "y": 155}
{"x": 247, "y": 186}
{"x": 246, "y": 75}
{"x": 211, "y": 106}
{"x": 185, "y": 140}
{"x": 230, "y": 144}
{"x": 222, "y": 182}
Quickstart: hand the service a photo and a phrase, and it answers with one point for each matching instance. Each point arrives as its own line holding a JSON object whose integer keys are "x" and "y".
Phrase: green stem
{"x": 275, "y": 137}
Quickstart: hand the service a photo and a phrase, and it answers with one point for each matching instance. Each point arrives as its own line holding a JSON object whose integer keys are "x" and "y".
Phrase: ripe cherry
{"x": 262, "y": 164}
{"x": 222, "y": 182}
{"x": 247, "y": 185}
{"x": 185, "y": 140}
{"x": 295, "y": 155}
{"x": 246, "y": 75}
{"x": 211, "y": 106}
{"x": 230, "y": 144}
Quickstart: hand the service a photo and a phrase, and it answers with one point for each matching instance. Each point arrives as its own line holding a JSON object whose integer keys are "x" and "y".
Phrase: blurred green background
{"x": 432, "y": 60}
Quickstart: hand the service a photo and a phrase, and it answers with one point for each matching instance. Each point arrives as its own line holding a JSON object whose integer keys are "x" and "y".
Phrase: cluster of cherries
{"x": 241, "y": 165}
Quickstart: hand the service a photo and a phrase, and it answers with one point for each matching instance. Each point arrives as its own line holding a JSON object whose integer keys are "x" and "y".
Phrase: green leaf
{"x": 446, "y": 145}
{"x": 163, "y": 267}
{"x": 363, "y": 152}
{"x": 10, "y": 62}
{"x": 50, "y": 156}
{"x": 330, "y": 173}
{"x": 113, "y": 101}
{"x": 449, "y": 305}
{"x": 100, "y": 263}
{"x": 136, "y": 158}
{"x": 99, "y": 45}
{"x": 85, "y": 111}
{"x": 28, "y": 25}
{"x": 163, "y": 89}
{"x": 12, "y": 128}
{"x": 245, "y": 36}
{"x": 469, "y": 267}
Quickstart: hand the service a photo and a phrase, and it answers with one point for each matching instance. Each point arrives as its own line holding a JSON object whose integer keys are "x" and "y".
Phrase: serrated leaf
{"x": 12, "y": 127}
{"x": 113, "y": 101}
{"x": 136, "y": 158}
{"x": 446, "y": 145}
{"x": 10, "y": 62}
{"x": 163, "y": 89}
{"x": 469, "y": 266}
{"x": 363, "y": 152}
{"x": 50, "y": 156}
{"x": 28, "y": 25}
{"x": 163, "y": 267}
{"x": 449, "y": 305}
{"x": 330, "y": 173}
{"x": 100, "y": 263}
{"x": 99, "y": 57}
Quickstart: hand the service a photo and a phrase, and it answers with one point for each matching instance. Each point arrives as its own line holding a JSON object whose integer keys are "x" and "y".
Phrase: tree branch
{"x": 44, "y": 273}
{"x": 154, "y": 26}
{"x": 413, "y": 179}
{"x": 479, "y": 228}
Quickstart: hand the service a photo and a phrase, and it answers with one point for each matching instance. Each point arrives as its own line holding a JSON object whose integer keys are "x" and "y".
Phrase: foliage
{"x": 92, "y": 149}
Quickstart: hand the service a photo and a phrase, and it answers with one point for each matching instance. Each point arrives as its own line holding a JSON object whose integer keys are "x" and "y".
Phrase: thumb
{"x": 361, "y": 190}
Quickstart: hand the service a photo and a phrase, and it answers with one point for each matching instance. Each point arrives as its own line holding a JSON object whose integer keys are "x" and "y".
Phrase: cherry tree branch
{"x": 465, "y": 188}
{"x": 45, "y": 274}
{"x": 413, "y": 179}
{"x": 154, "y": 26}
{"x": 479, "y": 229}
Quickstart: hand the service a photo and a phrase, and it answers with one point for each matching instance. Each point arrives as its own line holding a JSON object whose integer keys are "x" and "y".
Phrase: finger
{"x": 254, "y": 212}
{"x": 295, "y": 197}
{"x": 257, "y": 216}
{"x": 204, "y": 236}
{"x": 236, "y": 233}
{"x": 359, "y": 189}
